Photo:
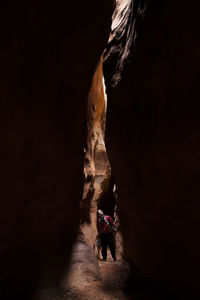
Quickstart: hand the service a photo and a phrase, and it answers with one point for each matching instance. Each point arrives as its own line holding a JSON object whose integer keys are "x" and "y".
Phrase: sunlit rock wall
{"x": 153, "y": 131}
{"x": 97, "y": 167}
{"x": 99, "y": 182}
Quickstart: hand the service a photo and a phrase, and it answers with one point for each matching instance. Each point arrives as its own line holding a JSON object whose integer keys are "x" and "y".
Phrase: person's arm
{"x": 110, "y": 221}
{"x": 112, "y": 224}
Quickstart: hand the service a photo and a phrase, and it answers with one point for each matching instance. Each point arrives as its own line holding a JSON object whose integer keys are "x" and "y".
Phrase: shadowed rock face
{"x": 153, "y": 144}
{"x": 48, "y": 54}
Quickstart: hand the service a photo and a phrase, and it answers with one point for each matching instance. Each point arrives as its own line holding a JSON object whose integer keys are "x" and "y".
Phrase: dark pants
{"x": 107, "y": 240}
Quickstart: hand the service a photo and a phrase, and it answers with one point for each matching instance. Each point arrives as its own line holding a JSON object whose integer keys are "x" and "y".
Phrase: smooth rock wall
{"x": 48, "y": 54}
{"x": 153, "y": 143}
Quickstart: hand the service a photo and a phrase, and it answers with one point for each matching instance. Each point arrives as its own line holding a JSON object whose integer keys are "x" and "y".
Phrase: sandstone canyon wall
{"x": 48, "y": 54}
{"x": 153, "y": 131}
{"x": 98, "y": 186}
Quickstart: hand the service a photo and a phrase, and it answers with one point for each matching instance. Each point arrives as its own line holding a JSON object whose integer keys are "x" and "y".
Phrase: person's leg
{"x": 104, "y": 246}
{"x": 112, "y": 245}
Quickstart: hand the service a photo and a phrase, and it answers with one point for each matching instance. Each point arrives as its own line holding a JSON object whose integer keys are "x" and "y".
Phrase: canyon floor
{"x": 110, "y": 285}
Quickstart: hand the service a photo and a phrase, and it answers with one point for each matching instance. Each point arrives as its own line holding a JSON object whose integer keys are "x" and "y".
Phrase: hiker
{"x": 106, "y": 229}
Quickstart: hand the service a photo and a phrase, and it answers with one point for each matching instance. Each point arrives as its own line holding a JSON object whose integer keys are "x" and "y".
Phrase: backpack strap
{"x": 109, "y": 226}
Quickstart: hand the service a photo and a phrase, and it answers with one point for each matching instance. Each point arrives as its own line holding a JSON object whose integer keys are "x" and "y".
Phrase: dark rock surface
{"x": 153, "y": 143}
{"x": 48, "y": 54}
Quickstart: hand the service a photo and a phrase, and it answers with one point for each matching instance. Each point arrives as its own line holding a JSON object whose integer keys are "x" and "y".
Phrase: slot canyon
{"x": 99, "y": 110}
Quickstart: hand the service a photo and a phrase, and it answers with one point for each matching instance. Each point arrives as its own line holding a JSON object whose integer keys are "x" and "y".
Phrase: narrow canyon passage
{"x": 88, "y": 276}
{"x": 139, "y": 138}
{"x": 59, "y": 166}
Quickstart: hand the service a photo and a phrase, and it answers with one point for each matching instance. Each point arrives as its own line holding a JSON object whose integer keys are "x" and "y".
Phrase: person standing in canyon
{"x": 106, "y": 229}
